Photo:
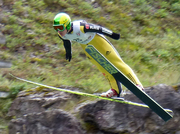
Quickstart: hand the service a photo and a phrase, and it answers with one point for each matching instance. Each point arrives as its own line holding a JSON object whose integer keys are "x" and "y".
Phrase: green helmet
{"x": 62, "y": 19}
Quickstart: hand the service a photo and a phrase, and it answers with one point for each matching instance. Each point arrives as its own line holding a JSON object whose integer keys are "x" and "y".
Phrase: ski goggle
{"x": 59, "y": 28}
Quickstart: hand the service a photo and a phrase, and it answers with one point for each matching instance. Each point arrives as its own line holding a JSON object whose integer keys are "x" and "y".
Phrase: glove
{"x": 68, "y": 56}
{"x": 115, "y": 36}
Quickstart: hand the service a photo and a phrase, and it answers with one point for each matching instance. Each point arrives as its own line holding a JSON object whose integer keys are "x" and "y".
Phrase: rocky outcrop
{"x": 39, "y": 100}
{"x": 46, "y": 112}
{"x": 47, "y": 122}
{"x": 120, "y": 118}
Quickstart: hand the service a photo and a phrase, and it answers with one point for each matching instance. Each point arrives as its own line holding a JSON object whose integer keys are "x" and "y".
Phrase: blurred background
{"x": 149, "y": 44}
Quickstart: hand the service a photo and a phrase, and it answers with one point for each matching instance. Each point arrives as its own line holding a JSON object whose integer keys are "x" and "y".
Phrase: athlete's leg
{"x": 116, "y": 85}
{"x": 112, "y": 81}
{"x": 107, "y": 49}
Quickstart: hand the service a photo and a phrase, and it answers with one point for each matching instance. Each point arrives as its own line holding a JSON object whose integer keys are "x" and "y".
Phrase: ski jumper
{"x": 90, "y": 34}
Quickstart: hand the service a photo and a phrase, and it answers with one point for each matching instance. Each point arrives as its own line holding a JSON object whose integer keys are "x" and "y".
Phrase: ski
{"x": 86, "y": 94}
{"x": 118, "y": 75}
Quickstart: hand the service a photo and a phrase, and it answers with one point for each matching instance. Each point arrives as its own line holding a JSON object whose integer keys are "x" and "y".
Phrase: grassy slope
{"x": 149, "y": 42}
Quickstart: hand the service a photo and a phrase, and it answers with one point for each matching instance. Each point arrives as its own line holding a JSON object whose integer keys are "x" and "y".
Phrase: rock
{"x": 2, "y": 39}
{"x": 4, "y": 94}
{"x": 177, "y": 88}
{"x": 47, "y": 122}
{"x": 5, "y": 64}
{"x": 115, "y": 117}
{"x": 1, "y": 3}
{"x": 40, "y": 109}
{"x": 177, "y": 132}
{"x": 38, "y": 101}
{"x": 37, "y": 112}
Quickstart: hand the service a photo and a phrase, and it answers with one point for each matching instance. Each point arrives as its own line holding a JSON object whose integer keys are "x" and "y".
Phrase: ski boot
{"x": 110, "y": 93}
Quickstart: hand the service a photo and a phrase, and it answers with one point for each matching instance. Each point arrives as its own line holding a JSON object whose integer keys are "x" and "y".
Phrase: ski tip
{"x": 169, "y": 110}
{"x": 12, "y": 75}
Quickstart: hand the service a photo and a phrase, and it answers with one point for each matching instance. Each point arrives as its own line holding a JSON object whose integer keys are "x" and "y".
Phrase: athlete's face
{"x": 62, "y": 33}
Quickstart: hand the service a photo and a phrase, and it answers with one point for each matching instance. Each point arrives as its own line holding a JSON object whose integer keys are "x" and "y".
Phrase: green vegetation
{"x": 149, "y": 43}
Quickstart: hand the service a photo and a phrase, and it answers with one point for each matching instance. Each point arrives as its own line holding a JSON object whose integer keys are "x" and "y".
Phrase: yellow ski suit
{"x": 90, "y": 34}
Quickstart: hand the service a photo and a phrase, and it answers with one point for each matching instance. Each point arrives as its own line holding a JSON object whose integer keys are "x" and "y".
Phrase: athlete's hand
{"x": 68, "y": 56}
{"x": 115, "y": 36}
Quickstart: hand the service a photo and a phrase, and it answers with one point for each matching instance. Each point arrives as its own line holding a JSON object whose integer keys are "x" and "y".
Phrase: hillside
{"x": 149, "y": 43}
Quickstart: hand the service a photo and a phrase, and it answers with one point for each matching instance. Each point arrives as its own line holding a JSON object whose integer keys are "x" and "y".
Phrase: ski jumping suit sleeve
{"x": 67, "y": 46}
{"x": 90, "y": 34}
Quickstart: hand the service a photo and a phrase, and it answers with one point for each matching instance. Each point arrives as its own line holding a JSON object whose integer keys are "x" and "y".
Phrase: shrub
{"x": 176, "y": 8}
{"x": 15, "y": 90}
{"x": 161, "y": 13}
